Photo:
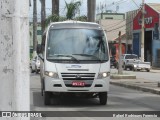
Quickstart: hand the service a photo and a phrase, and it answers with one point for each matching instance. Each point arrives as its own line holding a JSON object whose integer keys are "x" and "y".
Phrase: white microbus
{"x": 75, "y": 60}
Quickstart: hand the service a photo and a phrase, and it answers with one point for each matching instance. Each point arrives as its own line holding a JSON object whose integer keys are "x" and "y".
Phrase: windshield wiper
{"x": 62, "y": 55}
{"x": 89, "y": 56}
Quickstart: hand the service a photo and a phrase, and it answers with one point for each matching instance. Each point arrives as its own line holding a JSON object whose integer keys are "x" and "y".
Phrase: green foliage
{"x": 54, "y": 18}
{"x": 81, "y": 18}
{"x": 72, "y": 8}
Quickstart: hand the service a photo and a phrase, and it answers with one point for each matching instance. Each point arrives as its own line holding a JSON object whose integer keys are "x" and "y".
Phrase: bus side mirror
{"x": 38, "y": 49}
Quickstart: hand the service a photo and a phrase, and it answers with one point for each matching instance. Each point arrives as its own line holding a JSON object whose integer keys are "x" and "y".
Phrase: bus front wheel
{"x": 103, "y": 98}
{"x": 47, "y": 96}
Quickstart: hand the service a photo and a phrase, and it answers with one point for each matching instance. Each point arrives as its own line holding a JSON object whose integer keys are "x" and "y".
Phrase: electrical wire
{"x": 126, "y": 23}
{"x": 135, "y": 3}
{"x": 113, "y": 25}
{"x": 121, "y": 25}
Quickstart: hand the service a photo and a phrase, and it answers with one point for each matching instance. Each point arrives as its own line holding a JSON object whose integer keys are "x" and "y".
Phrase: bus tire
{"x": 103, "y": 98}
{"x": 47, "y": 96}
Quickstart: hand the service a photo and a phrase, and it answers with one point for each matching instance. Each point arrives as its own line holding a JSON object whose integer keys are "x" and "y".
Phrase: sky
{"x": 119, "y": 6}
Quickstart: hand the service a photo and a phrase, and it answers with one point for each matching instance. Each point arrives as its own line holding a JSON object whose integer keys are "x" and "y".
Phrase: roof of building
{"x": 155, "y": 6}
{"x": 111, "y": 13}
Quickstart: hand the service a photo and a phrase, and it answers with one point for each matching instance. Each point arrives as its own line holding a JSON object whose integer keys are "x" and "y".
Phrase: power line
{"x": 114, "y": 24}
{"x": 102, "y": 6}
{"x": 135, "y": 3}
{"x": 125, "y": 24}
{"x": 122, "y": 25}
{"x": 121, "y": 1}
{"x": 119, "y": 27}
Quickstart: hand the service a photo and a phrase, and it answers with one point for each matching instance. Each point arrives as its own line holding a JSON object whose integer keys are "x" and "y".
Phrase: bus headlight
{"x": 135, "y": 66}
{"x": 103, "y": 75}
{"x": 51, "y": 74}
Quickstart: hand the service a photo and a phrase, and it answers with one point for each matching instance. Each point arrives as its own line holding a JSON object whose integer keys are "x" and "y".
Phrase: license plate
{"x": 78, "y": 83}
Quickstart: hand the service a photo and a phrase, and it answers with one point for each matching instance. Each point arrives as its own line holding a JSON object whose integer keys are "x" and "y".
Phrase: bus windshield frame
{"x": 77, "y": 45}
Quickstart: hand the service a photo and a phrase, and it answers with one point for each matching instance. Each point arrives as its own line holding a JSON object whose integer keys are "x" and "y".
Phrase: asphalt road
{"x": 119, "y": 99}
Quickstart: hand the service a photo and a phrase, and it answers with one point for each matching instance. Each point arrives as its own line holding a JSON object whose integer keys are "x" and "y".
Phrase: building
{"x": 114, "y": 16}
{"x": 112, "y": 23}
{"x": 152, "y": 38}
{"x": 129, "y": 29}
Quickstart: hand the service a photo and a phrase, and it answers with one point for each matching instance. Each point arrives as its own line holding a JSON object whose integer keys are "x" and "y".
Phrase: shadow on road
{"x": 38, "y": 101}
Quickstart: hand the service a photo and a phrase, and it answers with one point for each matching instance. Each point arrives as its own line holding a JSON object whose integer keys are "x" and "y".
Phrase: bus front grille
{"x": 68, "y": 78}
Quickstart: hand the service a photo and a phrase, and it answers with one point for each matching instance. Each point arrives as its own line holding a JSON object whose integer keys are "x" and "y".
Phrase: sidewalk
{"x": 139, "y": 84}
{"x": 155, "y": 70}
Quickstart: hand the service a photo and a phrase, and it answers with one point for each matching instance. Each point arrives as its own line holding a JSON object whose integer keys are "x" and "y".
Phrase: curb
{"x": 154, "y": 72}
{"x": 140, "y": 88}
{"x": 123, "y": 76}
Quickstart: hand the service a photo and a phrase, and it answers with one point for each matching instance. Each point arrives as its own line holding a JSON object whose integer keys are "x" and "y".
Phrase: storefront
{"x": 152, "y": 35}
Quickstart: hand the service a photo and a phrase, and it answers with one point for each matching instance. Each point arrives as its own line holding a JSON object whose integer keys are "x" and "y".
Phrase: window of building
{"x": 108, "y": 17}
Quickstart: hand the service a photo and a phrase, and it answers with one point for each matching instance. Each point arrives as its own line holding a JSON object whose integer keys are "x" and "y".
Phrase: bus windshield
{"x": 77, "y": 44}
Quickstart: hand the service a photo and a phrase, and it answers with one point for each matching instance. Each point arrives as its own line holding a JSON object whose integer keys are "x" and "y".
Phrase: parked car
{"x": 126, "y": 58}
{"x": 35, "y": 64}
{"x": 138, "y": 65}
{"x": 113, "y": 62}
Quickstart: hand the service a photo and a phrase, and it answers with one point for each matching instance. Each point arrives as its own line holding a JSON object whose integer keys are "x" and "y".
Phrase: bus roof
{"x": 75, "y": 24}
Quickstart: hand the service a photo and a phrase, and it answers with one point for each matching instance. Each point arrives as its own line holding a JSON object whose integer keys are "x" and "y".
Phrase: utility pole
{"x": 91, "y": 6}
{"x": 120, "y": 70}
{"x": 127, "y": 30}
{"x": 14, "y": 57}
{"x": 55, "y": 7}
{"x": 29, "y": 3}
{"x": 34, "y": 28}
{"x": 142, "y": 32}
{"x": 43, "y": 15}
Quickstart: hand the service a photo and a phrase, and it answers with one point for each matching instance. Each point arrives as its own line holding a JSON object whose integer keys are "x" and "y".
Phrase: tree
{"x": 43, "y": 14}
{"x": 91, "y": 5}
{"x": 55, "y": 7}
{"x": 34, "y": 27}
{"x": 72, "y": 8}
